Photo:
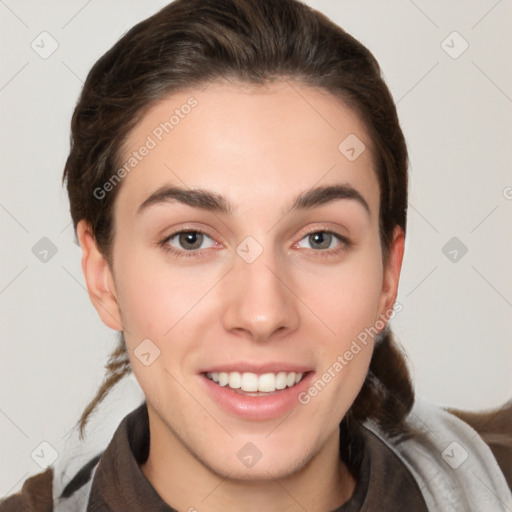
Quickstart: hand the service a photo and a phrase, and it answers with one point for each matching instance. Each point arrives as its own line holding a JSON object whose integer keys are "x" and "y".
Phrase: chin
{"x": 250, "y": 463}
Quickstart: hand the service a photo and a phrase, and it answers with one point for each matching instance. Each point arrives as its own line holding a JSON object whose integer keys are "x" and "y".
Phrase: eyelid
{"x": 187, "y": 228}
{"x": 342, "y": 239}
{"x": 182, "y": 253}
{"x": 174, "y": 234}
{"x": 324, "y": 228}
{"x": 321, "y": 229}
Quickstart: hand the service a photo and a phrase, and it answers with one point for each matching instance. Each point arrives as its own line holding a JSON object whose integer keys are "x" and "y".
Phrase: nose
{"x": 260, "y": 303}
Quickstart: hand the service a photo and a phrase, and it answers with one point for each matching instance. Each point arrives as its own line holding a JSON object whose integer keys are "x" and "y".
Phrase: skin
{"x": 260, "y": 147}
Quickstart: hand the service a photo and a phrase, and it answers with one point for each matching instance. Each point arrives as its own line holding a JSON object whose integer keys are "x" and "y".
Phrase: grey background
{"x": 456, "y": 112}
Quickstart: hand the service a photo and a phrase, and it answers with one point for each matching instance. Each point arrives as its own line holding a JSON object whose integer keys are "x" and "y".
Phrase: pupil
{"x": 322, "y": 239}
{"x": 192, "y": 239}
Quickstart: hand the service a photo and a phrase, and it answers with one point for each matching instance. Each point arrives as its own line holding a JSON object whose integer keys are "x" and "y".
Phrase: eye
{"x": 324, "y": 240}
{"x": 187, "y": 241}
{"x": 190, "y": 243}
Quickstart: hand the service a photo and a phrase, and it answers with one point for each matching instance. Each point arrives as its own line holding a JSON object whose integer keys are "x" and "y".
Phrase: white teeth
{"x": 267, "y": 382}
{"x": 281, "y": 380}
{"x": 251, "y": 382}
{"x": 223, "y": 378}
{"x": 234, "y": 380}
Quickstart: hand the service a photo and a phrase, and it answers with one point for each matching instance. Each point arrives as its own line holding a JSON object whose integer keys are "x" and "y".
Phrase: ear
{"x": 99, "y": 279}
{"x": 392, "y": 273}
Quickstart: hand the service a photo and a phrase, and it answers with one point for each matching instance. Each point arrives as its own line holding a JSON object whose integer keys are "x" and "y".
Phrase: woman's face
{"x": 264, "y": 287}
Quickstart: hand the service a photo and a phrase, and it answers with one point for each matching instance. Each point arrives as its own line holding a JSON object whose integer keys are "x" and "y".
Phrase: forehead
{"x": 256, "y": 144}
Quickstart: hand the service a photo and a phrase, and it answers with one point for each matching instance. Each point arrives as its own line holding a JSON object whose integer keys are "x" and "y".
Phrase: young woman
{"x": 238, "y": 185}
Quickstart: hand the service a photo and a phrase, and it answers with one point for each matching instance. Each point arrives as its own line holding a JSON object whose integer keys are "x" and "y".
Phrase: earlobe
{"x": 392, "y": 271}
{"x": 99, "y": 279}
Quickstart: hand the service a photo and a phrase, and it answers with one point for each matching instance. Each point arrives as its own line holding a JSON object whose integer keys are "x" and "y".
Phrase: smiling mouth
{"x": 252, "y": 384}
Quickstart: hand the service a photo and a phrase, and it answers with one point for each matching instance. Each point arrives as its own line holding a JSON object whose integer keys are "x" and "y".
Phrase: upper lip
{"x": 258, "y": 368}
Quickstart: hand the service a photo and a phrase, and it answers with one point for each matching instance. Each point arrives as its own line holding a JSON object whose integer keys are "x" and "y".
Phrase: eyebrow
{"x": 211, "y": 201}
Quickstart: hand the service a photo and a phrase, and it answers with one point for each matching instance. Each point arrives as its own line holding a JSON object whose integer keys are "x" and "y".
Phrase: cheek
{"x": 153, "y": 295}
{"x": 348, "y": 309}
{"x": 157, "y": 303}
{"x": 345, "y": 299}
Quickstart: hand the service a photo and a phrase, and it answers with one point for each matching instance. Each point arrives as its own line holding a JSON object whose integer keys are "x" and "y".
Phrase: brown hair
{"x": 193, "y": 42}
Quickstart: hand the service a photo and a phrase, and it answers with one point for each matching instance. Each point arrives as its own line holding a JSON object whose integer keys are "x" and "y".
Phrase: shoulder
{"x": 44, "y": 491}
{"x": 452, "y": 461}
{"x": 35, "y": 495}
{"x": 495, "y": 428}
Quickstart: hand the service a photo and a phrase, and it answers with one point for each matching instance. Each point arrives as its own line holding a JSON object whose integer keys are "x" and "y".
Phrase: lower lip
{"x": 257, "y": 407}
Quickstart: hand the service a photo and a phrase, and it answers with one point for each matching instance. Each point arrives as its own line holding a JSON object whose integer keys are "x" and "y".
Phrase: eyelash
{"x": 182, "y": 254}
{"x": 344, "y": 244}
